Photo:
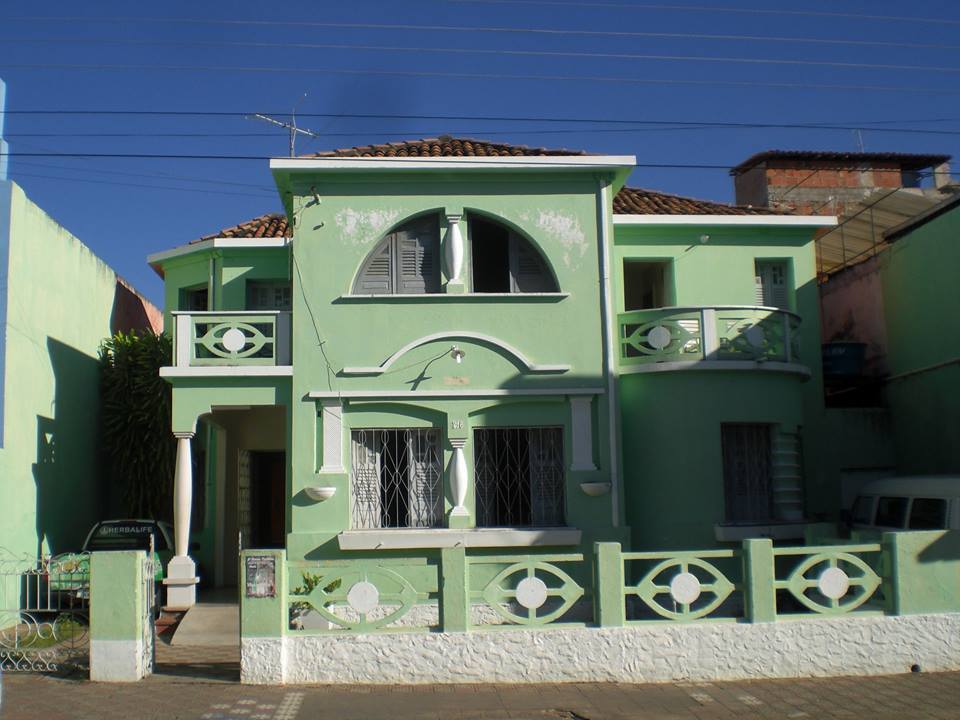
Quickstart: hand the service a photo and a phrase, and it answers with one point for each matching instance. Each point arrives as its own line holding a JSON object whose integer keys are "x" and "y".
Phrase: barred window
{"x": 519, "y": 476}
{"x": 747, "y": 472}
{"x": 396, "y": 478}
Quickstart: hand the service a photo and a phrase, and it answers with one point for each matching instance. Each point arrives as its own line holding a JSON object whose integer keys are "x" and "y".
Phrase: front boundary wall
{"x": 757, "y": 611}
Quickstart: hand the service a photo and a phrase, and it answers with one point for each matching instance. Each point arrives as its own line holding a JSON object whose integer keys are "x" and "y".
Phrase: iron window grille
{"x": 519, "y": 477}
{"x": 747, "y": 472}
{"x": 396, "y": 478}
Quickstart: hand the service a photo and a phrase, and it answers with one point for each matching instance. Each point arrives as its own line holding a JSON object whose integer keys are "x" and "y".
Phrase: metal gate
{"x": 149, "y": 610}
{"x": 44, "y": 613}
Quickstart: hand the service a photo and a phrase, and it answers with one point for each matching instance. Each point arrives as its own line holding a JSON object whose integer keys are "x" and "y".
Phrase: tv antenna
{"x": 289, "y": 126}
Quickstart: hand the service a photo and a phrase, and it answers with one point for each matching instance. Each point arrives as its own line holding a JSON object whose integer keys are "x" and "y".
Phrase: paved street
{"x": 204, "y": 687}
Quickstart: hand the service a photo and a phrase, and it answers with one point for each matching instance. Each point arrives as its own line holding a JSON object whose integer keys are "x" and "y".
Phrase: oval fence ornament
{"x": 531, "y": 593}
{"x": 683, "y": 588}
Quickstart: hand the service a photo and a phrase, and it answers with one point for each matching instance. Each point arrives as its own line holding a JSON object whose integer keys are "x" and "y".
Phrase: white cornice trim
{"x": 455, "y": 335}
{"x": 755, "y": 220}
{"x": 227, "y": 371}
{"x": 546, "y": 162}
{"x": 218, "y": 244}
{"x": 416, "y": 395}
{"x": 404, "y": 538}
{"x": 723, "y": 365}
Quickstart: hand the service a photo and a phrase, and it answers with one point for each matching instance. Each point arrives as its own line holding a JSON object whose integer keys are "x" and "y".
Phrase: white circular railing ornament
{"x": 659, "y": 337}
{"x": 755, "y": 336}
{"x": 234, "y": 340}
{"x": 531, "y": 592}
{"x": 833, "y": 583}
{"x": 363, "y": 597}
{"x": 685, "y": 588}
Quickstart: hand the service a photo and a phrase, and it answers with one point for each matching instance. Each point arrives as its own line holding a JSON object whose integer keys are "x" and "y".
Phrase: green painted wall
{"x": 672, "y": 463}
{"x": 59, "y": 298}
{"x": 557, "y": 214}
{"x": 920, "y": 294}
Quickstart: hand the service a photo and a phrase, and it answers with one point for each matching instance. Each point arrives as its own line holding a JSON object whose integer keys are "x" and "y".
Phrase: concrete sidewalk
{"x": 202, "y": 683}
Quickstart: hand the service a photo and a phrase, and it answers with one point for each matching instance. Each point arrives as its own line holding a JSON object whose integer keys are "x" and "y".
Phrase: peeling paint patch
{"x": 359, "y": 227}
{"x": 565, "y": 230}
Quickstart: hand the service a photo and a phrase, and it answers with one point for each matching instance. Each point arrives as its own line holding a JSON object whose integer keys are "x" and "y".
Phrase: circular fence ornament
{"x": 363, "y": 597}
{"x": 531, "y": 592}
{"x": 833, "y": 583}
{"x": 659, "y": 337}
{"x": 755, "y": 336}
{"x": 234, "y": 340}
{"x": 685, "y": 588}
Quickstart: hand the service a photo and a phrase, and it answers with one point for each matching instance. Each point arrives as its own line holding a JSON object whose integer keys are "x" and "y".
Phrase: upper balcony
{"x": 237, "y": 343}
{"x": 721, "y": 337}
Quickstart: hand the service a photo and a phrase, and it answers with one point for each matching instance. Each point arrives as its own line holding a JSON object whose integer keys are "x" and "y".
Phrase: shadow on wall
{"x": 66, "y": 467}
{"x": 131, "y": 311}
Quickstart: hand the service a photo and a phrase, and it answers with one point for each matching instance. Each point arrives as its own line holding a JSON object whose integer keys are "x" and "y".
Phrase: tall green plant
{"x": 138, "y": 446}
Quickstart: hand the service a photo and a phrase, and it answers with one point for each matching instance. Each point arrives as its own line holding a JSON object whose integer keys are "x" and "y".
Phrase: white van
{"x": 930, "y": 502}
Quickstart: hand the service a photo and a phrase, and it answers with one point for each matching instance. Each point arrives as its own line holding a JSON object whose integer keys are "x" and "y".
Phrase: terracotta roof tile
{"x": 637, "y": 201}
{"x": 907, "y": 161}
{"x": 444, "y": 146}
{"x": 271, "y": 225}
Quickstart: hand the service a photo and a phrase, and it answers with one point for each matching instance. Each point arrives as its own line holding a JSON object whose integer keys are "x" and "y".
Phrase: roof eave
{"x": 740, "y": 220}
{"x": 156, "y": 260}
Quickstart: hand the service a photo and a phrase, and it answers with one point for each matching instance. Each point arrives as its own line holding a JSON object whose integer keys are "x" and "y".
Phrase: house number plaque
{"x": 261, "y": 573}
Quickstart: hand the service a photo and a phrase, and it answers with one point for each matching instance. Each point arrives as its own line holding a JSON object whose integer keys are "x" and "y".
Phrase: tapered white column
{"x": 458, "y": 478}
{"x": 453, "y": 249}
{"x": 181, "y": 580}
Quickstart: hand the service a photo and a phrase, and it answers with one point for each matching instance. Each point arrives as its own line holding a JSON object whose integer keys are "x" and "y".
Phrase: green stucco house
{"x": 460, "y": 345}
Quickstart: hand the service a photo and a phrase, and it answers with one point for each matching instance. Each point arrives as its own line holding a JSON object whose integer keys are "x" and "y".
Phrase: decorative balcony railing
{"x": 719, "y": 333}
{"x": 239, "y": 338}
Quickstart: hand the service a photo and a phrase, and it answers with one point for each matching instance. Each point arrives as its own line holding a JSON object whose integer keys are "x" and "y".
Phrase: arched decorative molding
{"x": 506, "y": 349}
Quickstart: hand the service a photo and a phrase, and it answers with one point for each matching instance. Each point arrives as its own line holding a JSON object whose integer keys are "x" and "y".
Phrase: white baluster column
{"x": 181, "y": 580}
{"x": 453, "y": 250}
{"x": 458, "y": 478}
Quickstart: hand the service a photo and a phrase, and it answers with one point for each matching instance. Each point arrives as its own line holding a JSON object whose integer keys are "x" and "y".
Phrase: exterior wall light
{"x": 457, "y": 354}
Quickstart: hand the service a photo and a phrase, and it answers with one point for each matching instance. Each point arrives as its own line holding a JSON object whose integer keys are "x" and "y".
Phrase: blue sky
{"x": 670, "y": 67}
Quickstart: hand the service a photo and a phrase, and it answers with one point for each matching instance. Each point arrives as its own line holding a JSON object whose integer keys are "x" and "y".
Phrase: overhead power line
{"x": 142, "y": 185}
{"x": 541, "y": 160}
{"x": 477, "y": 132}
{"x": 544, "y": 53}
{"x": 485, "y": 76}
{"x": 849, "y": 125}
{"x": 715, "y": 9}
{"x": 770, "y": 39}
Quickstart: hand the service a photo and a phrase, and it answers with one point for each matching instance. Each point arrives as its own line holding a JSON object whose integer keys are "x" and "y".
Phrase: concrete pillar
{"x": 181, "y": 580}
{"x": 120, "y": 630}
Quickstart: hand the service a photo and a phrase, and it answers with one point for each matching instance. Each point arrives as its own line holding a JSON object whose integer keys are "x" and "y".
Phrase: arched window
{"x": 504, "y": 262}
{"x": 407, "y": 261}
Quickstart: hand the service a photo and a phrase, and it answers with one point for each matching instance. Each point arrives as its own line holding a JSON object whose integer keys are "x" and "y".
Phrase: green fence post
{"x": 759, "y": 593}
{"x": 264, "y": 616}
{"x": 609, "y": 608}
{"x": 454, "y": 590}
{"x": 117, "y": 616}
{"x": 921, "y": 571}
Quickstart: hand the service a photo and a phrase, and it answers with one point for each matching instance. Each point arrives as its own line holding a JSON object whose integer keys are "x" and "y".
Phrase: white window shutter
{"x": 771, "y": 288}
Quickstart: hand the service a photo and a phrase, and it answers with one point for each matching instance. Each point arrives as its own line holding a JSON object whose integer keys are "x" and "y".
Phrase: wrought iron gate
{"x": 149, "y": 610}
{"x": 44, "y": 613}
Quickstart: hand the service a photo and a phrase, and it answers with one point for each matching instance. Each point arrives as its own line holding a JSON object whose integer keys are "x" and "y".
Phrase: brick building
{"x": 831, "y": 183}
